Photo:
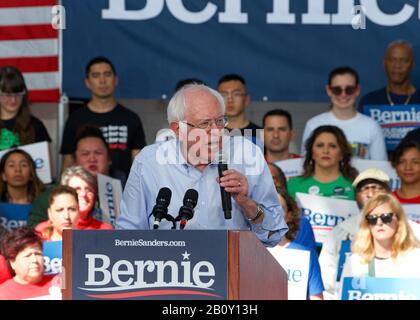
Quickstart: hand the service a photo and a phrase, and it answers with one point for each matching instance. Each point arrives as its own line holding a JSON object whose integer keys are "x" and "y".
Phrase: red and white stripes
{"x": 29, "y": 42}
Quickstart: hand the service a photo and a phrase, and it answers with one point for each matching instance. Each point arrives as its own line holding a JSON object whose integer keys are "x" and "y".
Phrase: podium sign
{"x": 165, "y": 264}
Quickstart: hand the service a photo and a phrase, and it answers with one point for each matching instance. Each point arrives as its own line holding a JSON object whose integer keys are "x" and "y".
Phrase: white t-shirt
{"x": 405, "y": 266}
{"x": 363, "y": 133}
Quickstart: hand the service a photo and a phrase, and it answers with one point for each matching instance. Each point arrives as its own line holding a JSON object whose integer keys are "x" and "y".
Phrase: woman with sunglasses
{"x": 385, "y": 246}
{"x": 363, "y": 133}
{"x": 17, "y": 125}
{"x": 327, "y": 170}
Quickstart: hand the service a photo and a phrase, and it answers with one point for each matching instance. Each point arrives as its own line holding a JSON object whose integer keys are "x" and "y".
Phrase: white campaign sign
{"x": 412, "y": 211}
{"x": 296, "y": 264}
{"x": 40, "y": 154}
{"x": 325, "y": 213}
{"x": 110, "y": 195}
{"x": 362, "y": 165}
{"x": 292, "y": 167}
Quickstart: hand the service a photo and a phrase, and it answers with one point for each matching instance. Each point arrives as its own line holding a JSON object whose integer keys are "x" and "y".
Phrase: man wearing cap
{"x": 367, "y": 184}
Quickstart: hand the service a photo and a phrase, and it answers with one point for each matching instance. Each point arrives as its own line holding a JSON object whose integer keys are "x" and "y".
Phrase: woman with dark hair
{"x": 63, "y": 213}
{"x": 19, "y": 181}
{"x": 293, "y": 220}
{"x": 364, "y": 133}
{"x": 279, "y": 179}
{"x": 22, "y": 249}
{"x": 326, "y": 169}
{"x": 17, "y": 125}
{"x": 406, "y": 162}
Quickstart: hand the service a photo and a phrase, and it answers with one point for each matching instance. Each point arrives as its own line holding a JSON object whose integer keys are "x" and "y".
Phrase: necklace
{"x": 391, "y": 103}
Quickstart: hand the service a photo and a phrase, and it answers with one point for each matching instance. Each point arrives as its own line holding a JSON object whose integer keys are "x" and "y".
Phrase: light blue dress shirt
{"x": 163, "y": 165}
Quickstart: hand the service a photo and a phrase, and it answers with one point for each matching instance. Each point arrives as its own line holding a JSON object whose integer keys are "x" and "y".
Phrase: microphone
{"x": 186, "y": 212}
{"x": 160, "y": 210}
{"x": 226, "y": 199}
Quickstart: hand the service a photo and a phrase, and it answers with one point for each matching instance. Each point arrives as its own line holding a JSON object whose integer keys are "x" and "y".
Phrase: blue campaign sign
{"x": 13, "y": 216}
{"x": 284, "y": 48}
{"x": 163, "y": 264}
{"x": 52, "y": 251}
{"x": 369, "y": 288}
{"x": 396, "y": 121}
{"x": 345, "y": 250}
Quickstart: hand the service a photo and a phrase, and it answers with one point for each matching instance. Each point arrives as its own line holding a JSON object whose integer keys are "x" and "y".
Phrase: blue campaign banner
{"x": 369, "y": 288}
{"x": 284, "y": 48}
{"x": 52, "y": 251}
{"x": 396, "y": 121}
{"x": 13, "y": 216}
{"x": 344, "y": 252}
{"x": 163, "y": 264}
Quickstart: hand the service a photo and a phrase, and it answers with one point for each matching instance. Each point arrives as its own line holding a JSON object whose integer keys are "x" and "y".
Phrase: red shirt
{"x": 415, "y": 200}
{"x": 11, "y": 290}
{"x": 4, "y": 270}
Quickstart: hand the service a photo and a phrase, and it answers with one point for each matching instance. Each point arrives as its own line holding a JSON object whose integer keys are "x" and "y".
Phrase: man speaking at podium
{"x": 191, "y": 161}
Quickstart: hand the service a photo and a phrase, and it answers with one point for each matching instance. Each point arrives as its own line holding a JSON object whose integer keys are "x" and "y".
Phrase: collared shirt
{"x": 163, "y": 165}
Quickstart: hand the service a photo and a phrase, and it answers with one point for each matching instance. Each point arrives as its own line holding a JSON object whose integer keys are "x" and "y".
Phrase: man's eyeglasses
{"x": 206, "y": 124}
{"x": 337, "y": 90}
{"x": 12, "y": 94}
{"x": 235, "y": 95}
{"x": 374, "y": 187}
{"x": 372, "y": 219}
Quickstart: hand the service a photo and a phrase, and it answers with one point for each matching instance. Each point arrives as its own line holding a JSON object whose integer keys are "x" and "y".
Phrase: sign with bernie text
{"x": 362, "y": 165}
{"x": 291, "y": 167}
{"x": 396, "y": 121}
{"x": 40, "y": 154}
{"x": 370, "y": 288}
{"x": 110, "y": 195}
{"x": 296, "y": 264}
{"x": 161, "y": 264}
{"x": 52, "y": 251}
{"x": 13, "y": 216}
{"x": 325, "y": 213}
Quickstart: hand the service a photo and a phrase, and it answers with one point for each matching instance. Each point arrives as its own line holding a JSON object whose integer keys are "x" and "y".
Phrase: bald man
{"x": 398, "y": 64}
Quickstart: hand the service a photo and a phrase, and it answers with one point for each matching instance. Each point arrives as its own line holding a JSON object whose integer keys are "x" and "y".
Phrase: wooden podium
{"x": 253, "y": 273}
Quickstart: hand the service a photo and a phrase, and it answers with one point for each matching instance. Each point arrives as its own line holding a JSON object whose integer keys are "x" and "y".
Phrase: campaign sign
{"x": 325, "y": 213}
{"x": 370, "y": 288}
{"x": 362, "y": 165}
{"x": 344, "y": 252}
{"x": 291, "y": 167}
{"x": 13, "y": 216}
{"x": 110, "y": 195}
{"x": 296, "y": 264}
{"x": 412, "y": 212}
{"x": 161, "y": 264}
{"x": 40, "y": 154}
{"x": 395, "y": 121}
{"x": 52, "y": 251}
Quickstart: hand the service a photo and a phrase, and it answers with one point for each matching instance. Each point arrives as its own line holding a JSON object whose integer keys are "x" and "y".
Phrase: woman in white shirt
{"x": 363, "y": 133}
{"x": 385, "y": 246}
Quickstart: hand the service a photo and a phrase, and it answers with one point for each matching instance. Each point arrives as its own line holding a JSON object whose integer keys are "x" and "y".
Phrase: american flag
{"x": 29, "y": 42}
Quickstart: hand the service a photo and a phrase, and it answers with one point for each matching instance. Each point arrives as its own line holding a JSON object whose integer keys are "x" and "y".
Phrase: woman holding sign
{"x": 326, "y": 169}
{"x": 17, "y": 125}
{"x": 385, "y": 246}
{"x": 19, "y": 182}
{"x": 22, "y": 249}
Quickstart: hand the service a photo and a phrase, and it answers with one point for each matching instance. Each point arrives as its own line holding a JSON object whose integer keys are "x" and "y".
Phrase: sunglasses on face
{"x": 372, "y": 219}
{"x": 348, "y": 90}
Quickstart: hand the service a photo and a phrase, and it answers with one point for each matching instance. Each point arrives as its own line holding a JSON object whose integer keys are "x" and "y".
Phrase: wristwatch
{"x": 258, "y": 214}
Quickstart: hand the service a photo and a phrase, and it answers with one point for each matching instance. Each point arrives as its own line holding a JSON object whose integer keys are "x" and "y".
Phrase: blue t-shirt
{"x": 379, "y": 97}
{"x": 305, "y": 235}
{"x": 315, "y": 284}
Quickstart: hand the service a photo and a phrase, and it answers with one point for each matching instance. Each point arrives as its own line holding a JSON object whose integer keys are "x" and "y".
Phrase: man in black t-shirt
{"x": 398, "y": 63}
{"x": 121, "y": 127}
{"x": 233, "y": 89}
